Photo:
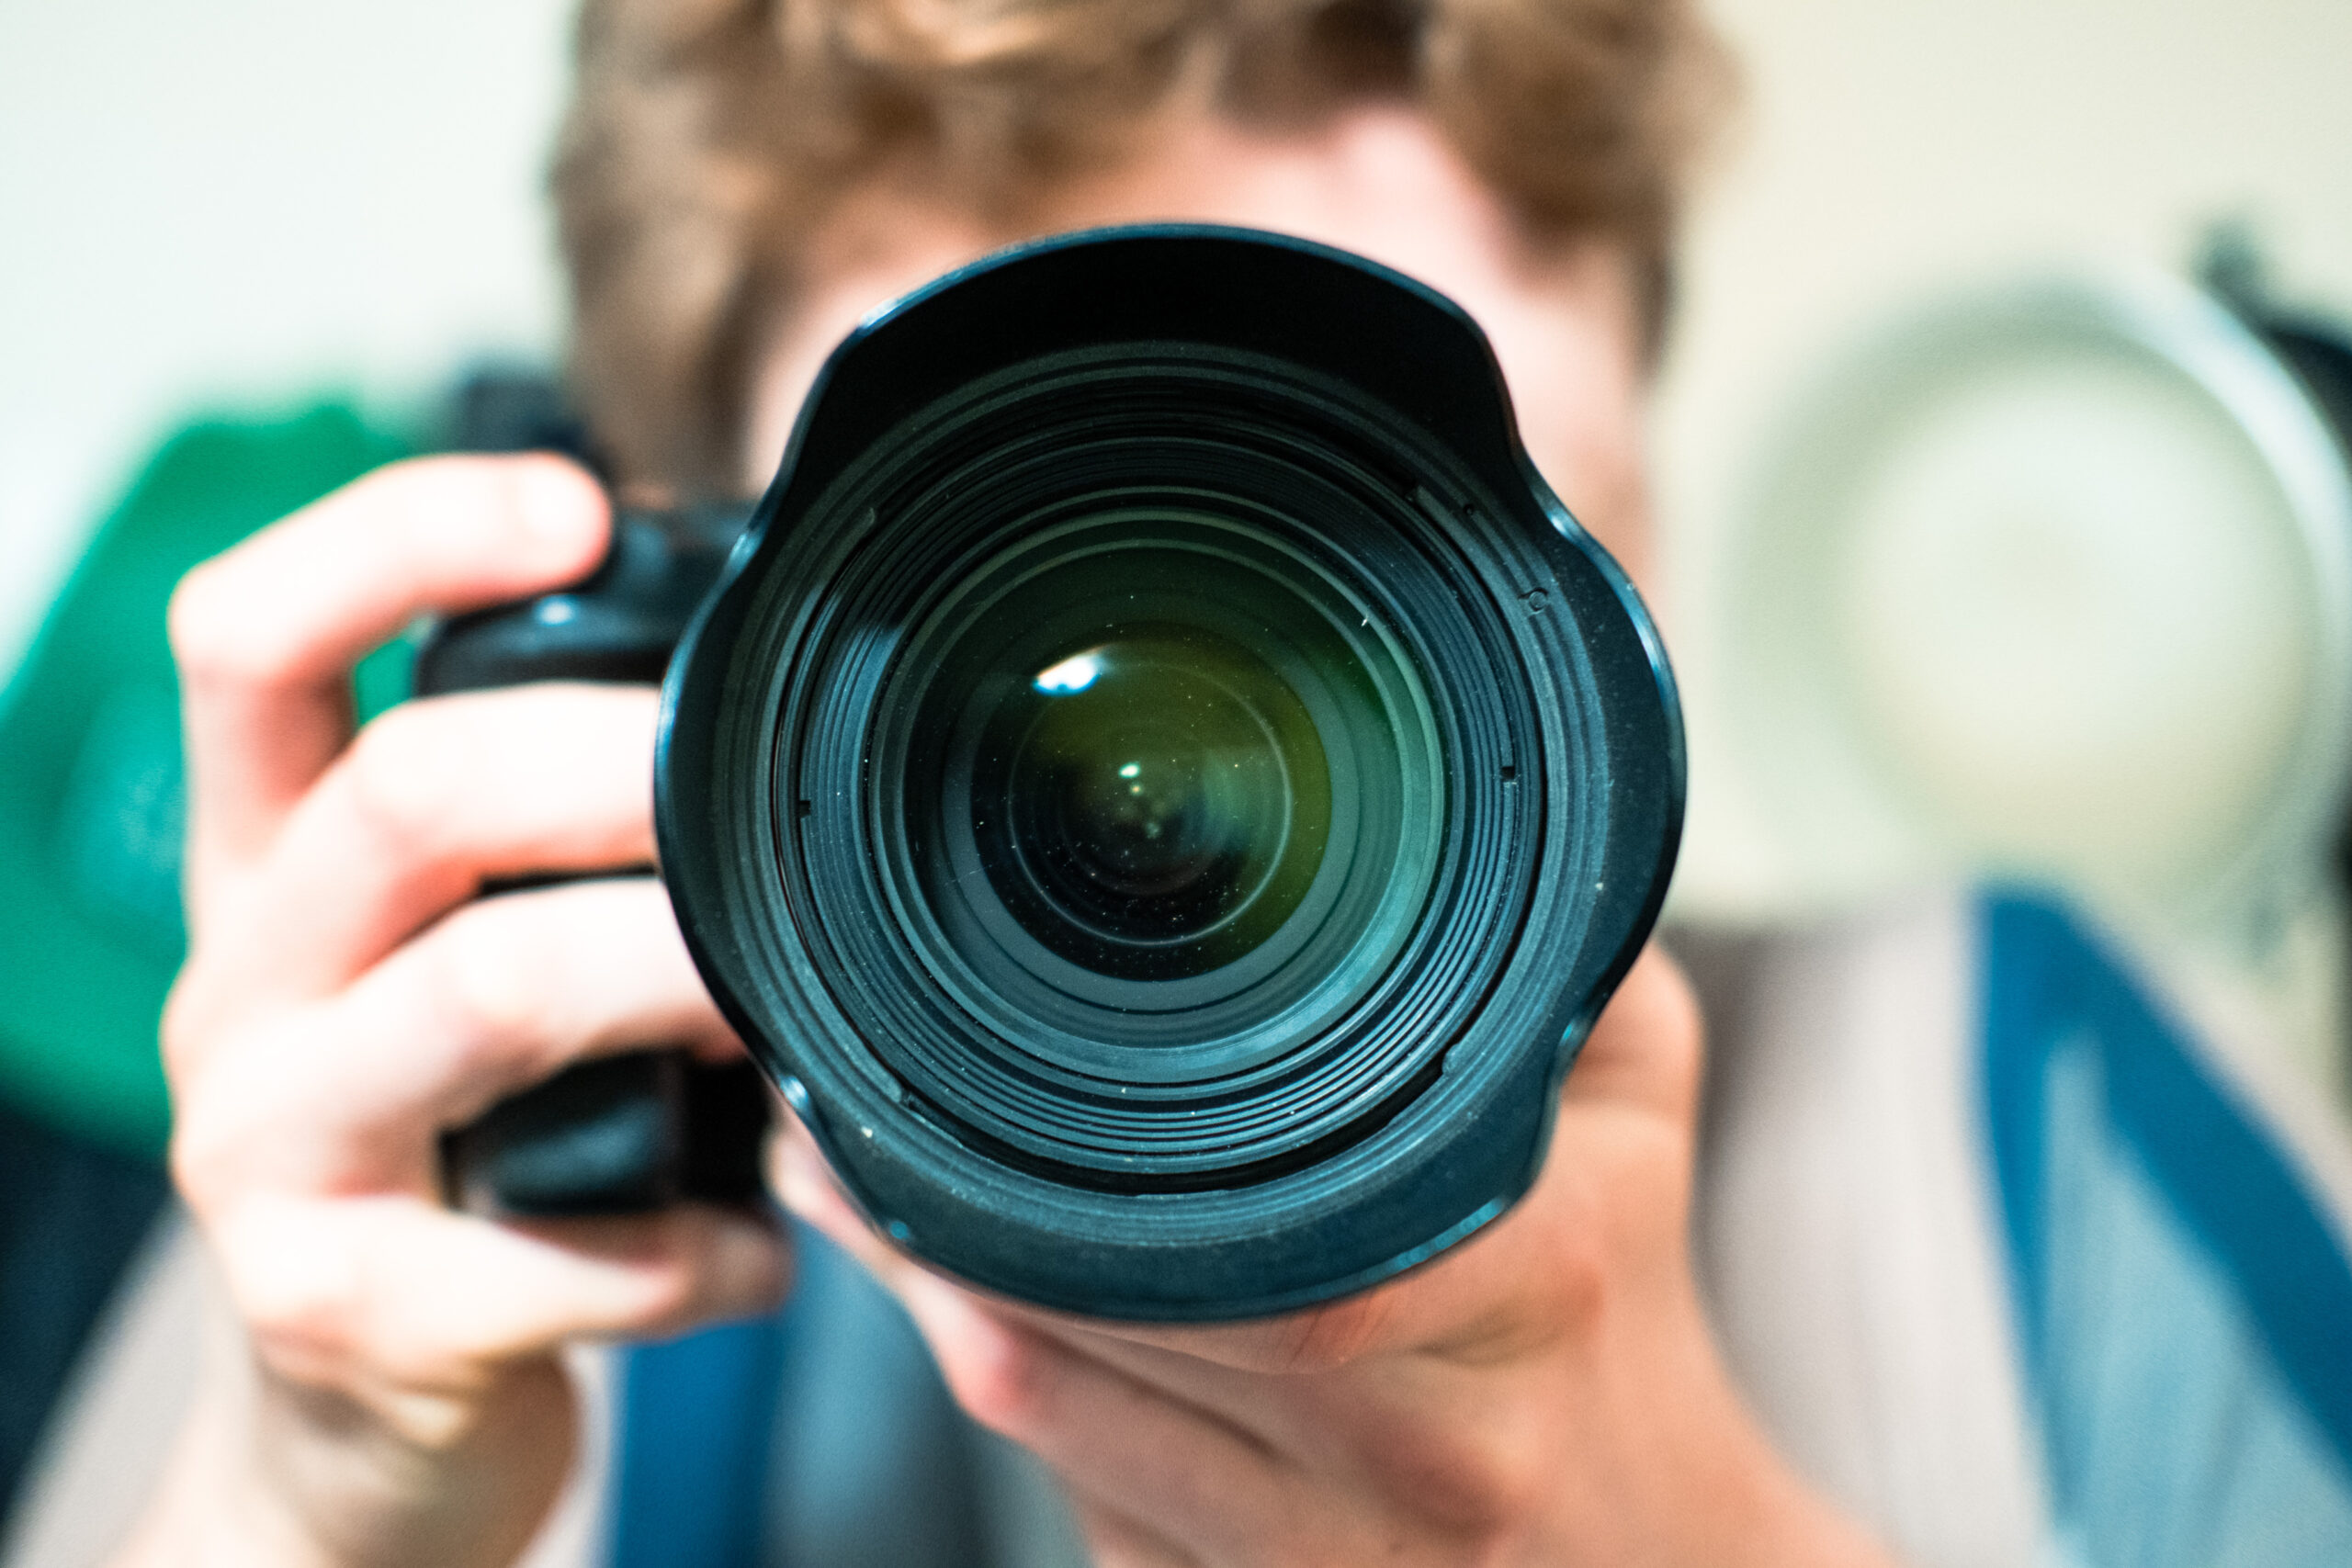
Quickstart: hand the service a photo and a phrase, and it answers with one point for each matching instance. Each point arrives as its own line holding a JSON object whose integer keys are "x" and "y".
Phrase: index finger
{"x": 265, "y": 634}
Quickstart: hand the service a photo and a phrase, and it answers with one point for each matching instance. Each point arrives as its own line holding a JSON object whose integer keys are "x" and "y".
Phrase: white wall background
{"x": 238, "y": 202}
{"x": 225, "y": 203}
{"x": 1892, "y": 152}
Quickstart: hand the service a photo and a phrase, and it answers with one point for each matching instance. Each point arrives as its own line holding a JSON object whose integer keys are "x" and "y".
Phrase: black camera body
{"x": 1160, "y": 784}
{"x": 641, "y": 1129}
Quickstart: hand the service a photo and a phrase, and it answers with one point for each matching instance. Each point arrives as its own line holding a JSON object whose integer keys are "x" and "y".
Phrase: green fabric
{"x": 91, "y": 795}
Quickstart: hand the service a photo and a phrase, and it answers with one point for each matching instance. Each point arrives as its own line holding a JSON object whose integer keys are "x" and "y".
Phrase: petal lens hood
{"x": 1162, "y": 785}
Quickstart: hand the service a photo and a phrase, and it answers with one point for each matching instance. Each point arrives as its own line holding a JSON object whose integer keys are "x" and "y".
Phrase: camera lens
{"x": 1154, "y": 768}
{"x": 1158, "y": 790}
{"x": 1152, "y": 807}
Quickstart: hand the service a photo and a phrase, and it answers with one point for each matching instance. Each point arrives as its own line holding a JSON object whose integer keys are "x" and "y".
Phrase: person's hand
{"x": 1547, "y": 1392}
{"x": 346, "y": 999}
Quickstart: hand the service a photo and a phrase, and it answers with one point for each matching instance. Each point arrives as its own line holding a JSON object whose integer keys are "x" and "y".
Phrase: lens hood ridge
{"x": 1162, "y": 784}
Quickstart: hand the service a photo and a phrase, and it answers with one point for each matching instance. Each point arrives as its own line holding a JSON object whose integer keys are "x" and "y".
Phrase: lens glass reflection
{"x": 1151, "y": 786}
{"x": 1154, "y": 805}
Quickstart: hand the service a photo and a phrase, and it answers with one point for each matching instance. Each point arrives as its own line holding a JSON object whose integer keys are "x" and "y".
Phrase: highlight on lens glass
{"x": 1154, "y": 808}
{"x": 1163, "y": 786}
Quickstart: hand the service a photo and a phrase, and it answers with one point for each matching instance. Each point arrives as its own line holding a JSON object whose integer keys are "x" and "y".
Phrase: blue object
{"x": 697, "y": 1415}
{"x": 2184, "y": 1309}
{"x": 821, "y": 1437}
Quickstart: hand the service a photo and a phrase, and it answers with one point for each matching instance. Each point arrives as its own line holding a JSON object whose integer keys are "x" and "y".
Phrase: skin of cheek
{"x": 1378, "y": 181}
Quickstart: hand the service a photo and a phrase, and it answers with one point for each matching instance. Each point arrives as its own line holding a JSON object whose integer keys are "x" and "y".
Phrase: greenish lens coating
{"x": 1152, "y": 805}
{"x": 1150, "y": 780}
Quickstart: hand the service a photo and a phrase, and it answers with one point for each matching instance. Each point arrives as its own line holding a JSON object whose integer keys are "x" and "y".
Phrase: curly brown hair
{"x": 708, "y": 138}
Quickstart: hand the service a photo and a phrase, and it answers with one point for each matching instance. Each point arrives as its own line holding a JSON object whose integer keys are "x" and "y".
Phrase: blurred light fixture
{"x": 2057, "y": 581}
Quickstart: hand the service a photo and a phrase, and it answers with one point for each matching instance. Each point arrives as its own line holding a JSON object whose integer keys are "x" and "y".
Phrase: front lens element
{"x": 1156, "y": 779}
{"x": 1154, "y": 805}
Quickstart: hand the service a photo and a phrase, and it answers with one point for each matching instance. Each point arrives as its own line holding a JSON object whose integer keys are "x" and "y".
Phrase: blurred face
{"x": 1378, "y": 181}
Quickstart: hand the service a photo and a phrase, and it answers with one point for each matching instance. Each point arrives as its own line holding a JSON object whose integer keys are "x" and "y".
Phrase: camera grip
{"x": 645, "y": 1129}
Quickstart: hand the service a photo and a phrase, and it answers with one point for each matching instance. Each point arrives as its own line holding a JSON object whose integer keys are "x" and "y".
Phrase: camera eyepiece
{"x": 1164, "y": 787}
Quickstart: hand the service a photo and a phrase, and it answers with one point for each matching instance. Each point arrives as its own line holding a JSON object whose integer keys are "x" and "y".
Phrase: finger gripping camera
{"x": 1160, "y": 784}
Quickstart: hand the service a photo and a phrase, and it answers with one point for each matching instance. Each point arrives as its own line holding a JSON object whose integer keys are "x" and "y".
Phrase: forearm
{"x": 1691, "y": 1477}
{"x": 268, "y": 1476}
{"x": 1750, "y": 1510}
